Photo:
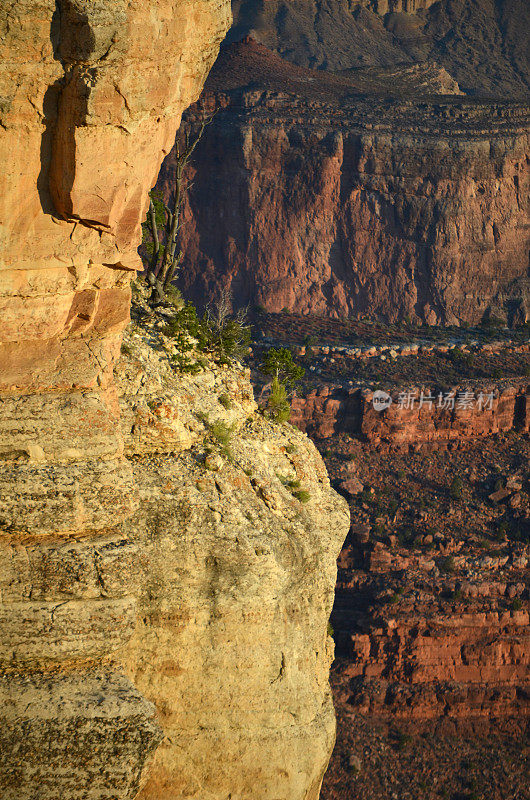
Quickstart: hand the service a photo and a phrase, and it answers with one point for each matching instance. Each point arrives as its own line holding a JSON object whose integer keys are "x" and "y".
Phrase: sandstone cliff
{"x": 333, "y": 410}
{"x": 237, "y": 583}
{"x": 92, "y": 559}
{"x": 308, "y": 196}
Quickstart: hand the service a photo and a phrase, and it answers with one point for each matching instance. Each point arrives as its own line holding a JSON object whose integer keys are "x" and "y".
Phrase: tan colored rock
{"x": 143, "y": 597}
{"x": 91, "y": 95}
{"x": 237, "y": 578}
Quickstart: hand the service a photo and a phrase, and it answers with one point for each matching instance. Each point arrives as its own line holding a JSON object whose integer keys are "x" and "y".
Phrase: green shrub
{"x": 225, "y": 401}
{"x": 302, "y": 495}
{"x": 403, "y": 740}
{"x": 229, "y": 341}
{"x": 224, "y": 338}
{"x": 278, "y": 407}
{"x": 295, "y": 487}
{"x": 448, "y": 565}
{"x": 456, "y": 488}
{"x": 222, "y": 433}
{"x": 174, "y": 296}
{"x": 279, "y": 364}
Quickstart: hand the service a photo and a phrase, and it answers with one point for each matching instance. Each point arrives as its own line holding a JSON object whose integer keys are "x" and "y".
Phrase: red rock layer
{"x": 411, "y": 420}
{"x": 308, "y": 196}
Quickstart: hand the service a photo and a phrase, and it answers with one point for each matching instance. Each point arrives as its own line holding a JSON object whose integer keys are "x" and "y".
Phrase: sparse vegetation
{"x": 294, "y": 486}
{"x": 217, "y": 334}
{"x": 220, "y": 435}
{"x": 225, "y": 401}
{"x": 302, "y": 495}
{"x": 448, "y": 565}
{"x": 161, "y": 228}
{"x": 278, "y": 406}
{"x": 456, "y": 488}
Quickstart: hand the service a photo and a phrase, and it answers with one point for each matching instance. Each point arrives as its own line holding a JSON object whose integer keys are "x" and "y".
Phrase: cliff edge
{"x": 95, "y": 567}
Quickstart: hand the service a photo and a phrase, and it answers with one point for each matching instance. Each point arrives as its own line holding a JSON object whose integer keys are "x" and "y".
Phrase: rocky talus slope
{"x": 309, "y": 195}
{"x": 482, "y": 43}
{"x": 431, "y": 612}
{"x": 127, "y": 621}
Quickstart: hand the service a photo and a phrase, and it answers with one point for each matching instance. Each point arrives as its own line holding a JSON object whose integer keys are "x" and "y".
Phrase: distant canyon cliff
{"x": 382, "y": 191}
{"x": 484, "y": 44}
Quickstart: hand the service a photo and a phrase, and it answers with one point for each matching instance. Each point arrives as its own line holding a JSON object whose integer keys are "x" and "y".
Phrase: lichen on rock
{"x": 237, "y": 582}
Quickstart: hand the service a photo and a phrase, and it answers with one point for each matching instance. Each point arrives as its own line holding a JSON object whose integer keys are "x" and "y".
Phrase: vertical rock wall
{"x": 146, "y": 600}
{"x": 91, "y": 95}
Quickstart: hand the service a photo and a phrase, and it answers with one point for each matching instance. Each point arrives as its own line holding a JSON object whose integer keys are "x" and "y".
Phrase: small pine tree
{"x": 278, "y": 406}
{"x": 280, "y": 365}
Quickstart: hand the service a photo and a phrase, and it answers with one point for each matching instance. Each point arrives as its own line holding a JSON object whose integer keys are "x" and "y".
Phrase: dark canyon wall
{"x": 484, "y": 44}
{"x": 308, "y": 196}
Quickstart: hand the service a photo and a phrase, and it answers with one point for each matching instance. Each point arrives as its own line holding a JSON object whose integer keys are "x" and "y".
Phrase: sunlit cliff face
{"x": 94, "y": 545}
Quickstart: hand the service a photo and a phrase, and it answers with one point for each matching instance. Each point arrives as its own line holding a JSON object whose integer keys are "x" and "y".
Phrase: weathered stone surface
{"x": 110, "y": 728}
{"x": 409, "y": 422}
{"x": 236, "y": 577}
{"x": 472, "y": 664}
{"x": 482, "y": 43}
{"x": 143, "y": 595}
{"x": 91, "y": 95}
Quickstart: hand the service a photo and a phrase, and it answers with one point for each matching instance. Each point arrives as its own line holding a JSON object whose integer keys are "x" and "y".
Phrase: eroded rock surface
{"x": 91, "y": 96}
{"x": 144, "y": 597}
{"x": 471, "y": 411}
{"x": 237, "y": 579}
{"x": 482, "y": 43}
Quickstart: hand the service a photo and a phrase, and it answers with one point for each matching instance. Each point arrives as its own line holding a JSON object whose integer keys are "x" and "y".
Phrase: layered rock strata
{"x": 416, "y": 416}
{"x": 237, "y": 578}
{"x": 309, "y": 197}
{"x": 482, "y": 43}
{"x": 145, "y": 597}
{"x": 418, "y": 654}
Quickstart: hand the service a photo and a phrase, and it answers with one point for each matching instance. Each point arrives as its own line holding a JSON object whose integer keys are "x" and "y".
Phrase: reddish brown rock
{"x": 472, "y": 663}
{"x": 406, "y": 422}
{"x": 488, "y": 41}
{"x": 327, "y": 203}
